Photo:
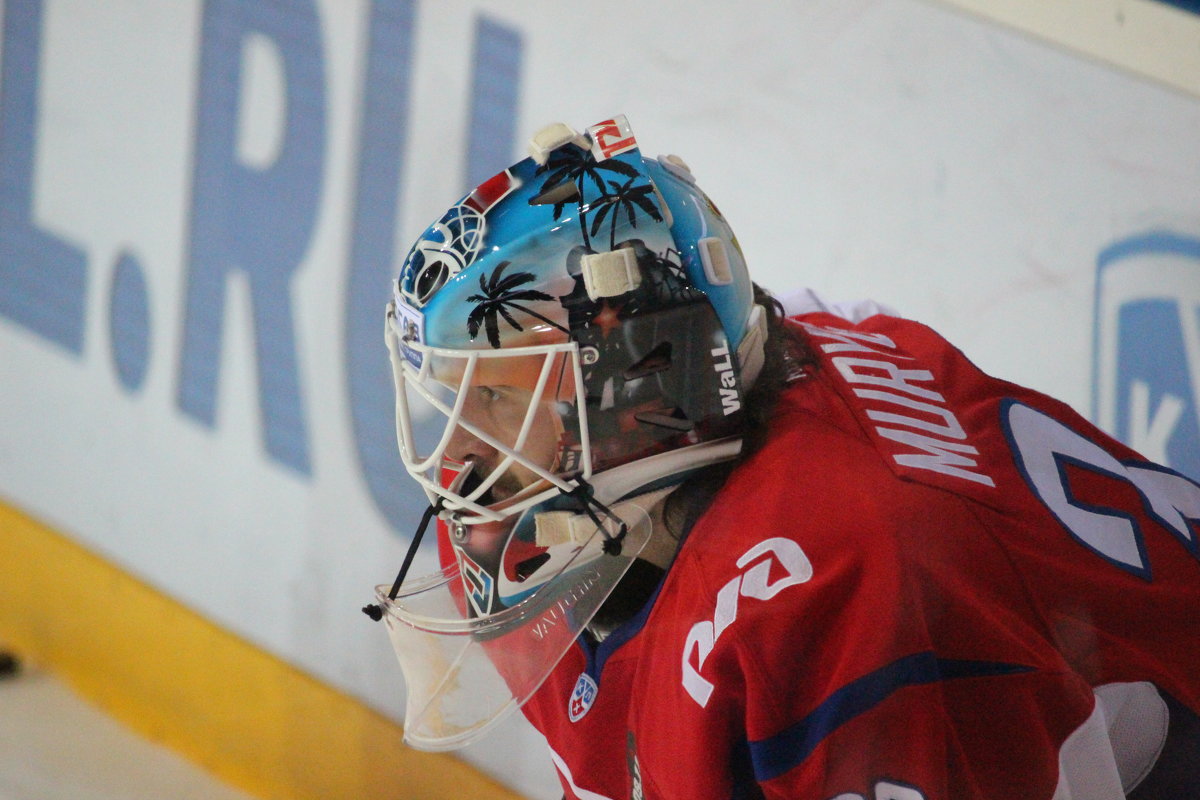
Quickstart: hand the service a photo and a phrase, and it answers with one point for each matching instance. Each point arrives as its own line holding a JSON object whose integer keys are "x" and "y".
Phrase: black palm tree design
{"x": 628, "y": 197}
{"x": 571, "y": 167}
{"x": 499, "y": 293}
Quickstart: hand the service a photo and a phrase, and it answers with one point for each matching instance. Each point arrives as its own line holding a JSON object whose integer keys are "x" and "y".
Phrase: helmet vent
{"x": 556, "y": 195}
{"x": 668, "y": 219}
{"x": 672, "y": 418}
{"x": 530, "y": 565}
{"x": 657, "y": 360}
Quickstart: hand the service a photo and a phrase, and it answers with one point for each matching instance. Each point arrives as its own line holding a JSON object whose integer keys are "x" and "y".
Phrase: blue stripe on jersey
{"x": 778, "y": 754}
{"x": 597, "y": 654}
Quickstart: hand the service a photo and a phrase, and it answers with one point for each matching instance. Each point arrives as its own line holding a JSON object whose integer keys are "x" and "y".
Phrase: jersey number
{"x": 886, "y": 790}
{"x": 1047, "y": 452}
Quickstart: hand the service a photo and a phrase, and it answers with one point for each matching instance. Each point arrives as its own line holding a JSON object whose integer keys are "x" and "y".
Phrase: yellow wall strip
{"x": 1153, "y": 39}
{"x": 246, "y": 716}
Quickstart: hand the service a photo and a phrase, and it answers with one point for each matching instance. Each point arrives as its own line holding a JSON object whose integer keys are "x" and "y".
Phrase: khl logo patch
{"x": 1146, "y": 357}
{"x": 582, "y": 697}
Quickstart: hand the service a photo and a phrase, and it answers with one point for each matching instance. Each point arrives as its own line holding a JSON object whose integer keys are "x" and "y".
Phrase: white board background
{"x": 955, "y": 169}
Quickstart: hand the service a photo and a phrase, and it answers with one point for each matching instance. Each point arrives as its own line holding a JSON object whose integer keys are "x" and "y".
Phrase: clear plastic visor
{"x": 491, "y": 432}
{"x": 466, "y": 674}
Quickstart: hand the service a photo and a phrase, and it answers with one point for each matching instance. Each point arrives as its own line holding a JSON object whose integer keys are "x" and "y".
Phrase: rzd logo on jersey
{"x": 1146, "y": 370}
{"x": 768, "y": 568}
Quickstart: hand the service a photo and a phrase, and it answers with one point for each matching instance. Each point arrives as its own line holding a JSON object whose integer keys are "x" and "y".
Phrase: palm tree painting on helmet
{"x": 572, "y": 172}
{"x": 518, "y": 276}
{"x": 499, "y": 294}
{"x": 624, "y": 196}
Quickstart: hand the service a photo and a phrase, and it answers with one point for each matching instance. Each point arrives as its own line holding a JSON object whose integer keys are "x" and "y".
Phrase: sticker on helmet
{"x": 412, "y": 329}
{"x": 492, "y": 191}
{"x": 582, "y": 698}
{"x": 477, "y": 582}
{"x": 611, "y": 138}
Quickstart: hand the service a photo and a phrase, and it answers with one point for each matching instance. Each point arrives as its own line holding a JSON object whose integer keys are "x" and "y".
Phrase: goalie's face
{"x": 500, "y": 413}
{"x": 489, "y": 432}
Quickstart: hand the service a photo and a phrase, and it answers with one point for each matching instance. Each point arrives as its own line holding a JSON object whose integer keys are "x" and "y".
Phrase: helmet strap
{"x": 373, "y": 610}
{"x": 585, "y": 493}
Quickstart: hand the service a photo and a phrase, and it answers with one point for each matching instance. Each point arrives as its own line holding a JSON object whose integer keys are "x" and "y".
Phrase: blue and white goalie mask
{"x": 575, "y": 332}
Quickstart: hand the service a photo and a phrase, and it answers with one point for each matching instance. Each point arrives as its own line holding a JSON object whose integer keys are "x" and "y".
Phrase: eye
{"x": 488, "y": 394}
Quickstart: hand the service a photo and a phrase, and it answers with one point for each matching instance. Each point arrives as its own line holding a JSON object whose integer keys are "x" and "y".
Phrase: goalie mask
{"x": 572, "y": 336}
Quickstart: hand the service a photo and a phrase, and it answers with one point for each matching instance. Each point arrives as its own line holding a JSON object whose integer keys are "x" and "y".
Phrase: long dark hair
{"x": 786, "y": 359}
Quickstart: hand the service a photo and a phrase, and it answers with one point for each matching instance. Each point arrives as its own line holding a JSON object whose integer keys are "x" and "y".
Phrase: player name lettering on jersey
{"x": 899, "y": 400}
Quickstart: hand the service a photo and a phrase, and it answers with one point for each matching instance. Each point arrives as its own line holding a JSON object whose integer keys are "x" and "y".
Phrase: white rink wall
{"x": 202, "y": 205}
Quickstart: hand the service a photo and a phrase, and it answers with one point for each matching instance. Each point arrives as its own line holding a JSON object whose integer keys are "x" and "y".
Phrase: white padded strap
{"x": 559, "y": 527}
{"x": 610, "y": 274}
{"x": 678, "y": 167}
{"x": 552, "y": 137}
{"x": 553, "y": 528}
{"x": 751, "y": 350}
{"x": 715, "y": 259}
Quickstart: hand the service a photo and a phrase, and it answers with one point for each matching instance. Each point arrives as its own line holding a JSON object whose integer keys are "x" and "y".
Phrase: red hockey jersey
{"x": 928, "y": 584}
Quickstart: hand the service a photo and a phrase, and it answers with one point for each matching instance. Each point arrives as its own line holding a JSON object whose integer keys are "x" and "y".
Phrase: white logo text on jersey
{"x": 753, "y": 582}
{"x": 886, "y": 790}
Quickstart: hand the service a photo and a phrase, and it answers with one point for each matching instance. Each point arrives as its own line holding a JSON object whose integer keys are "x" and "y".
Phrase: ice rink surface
{"x": 56, "y": 746}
